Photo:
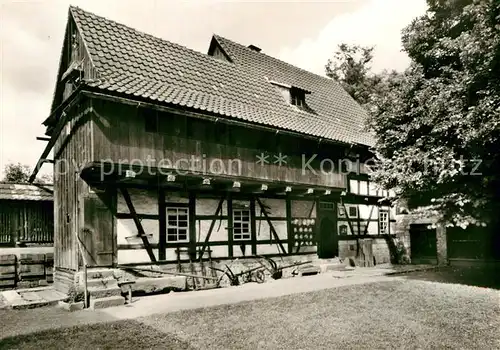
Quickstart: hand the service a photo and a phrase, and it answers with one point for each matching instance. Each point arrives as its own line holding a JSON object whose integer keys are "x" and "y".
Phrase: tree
{"x": 351, "y": 67}
{"x": 17, "y": 173}
{"x": 20, "y": 173}
{"x": 438, "y": 126}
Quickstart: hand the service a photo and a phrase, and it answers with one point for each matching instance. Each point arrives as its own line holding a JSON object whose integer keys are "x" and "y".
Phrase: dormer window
{"x": 298, "y": 97}
{"x": 292, "y": 94}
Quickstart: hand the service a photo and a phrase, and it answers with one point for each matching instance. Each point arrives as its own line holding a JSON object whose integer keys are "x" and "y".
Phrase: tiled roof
{"x": 26, "y": 192}
{"x": 137, "y": 64}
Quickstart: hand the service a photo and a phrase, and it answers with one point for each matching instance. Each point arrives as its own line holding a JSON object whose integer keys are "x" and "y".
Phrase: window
{"x": 241, "y": 225}
{"x": 298, "y": 97}
{"x": 343, "y": 230}
{"x": 177, "y": 224}
{"x": 326, "y": 205}
{"x": 353, "y": 212}
{"x": 383, "y": 221}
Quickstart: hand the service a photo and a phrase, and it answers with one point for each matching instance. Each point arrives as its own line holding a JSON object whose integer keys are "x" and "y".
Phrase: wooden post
{"x": 253, "y": 229}
{"x": 289, "y": 227}
{"x": 230, "y": 224}
{"x": 192, "y": 226}
{"x": 162, "y": 241}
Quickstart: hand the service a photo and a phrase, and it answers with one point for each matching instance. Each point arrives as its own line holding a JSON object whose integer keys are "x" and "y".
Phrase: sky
{"x": 305, "y": 34}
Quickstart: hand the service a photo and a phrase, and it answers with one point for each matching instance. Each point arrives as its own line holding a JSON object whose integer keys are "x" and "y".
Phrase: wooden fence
{"x": 25, "y": 271}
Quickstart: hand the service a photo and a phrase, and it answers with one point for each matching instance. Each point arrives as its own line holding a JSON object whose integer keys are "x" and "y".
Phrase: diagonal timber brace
{"x": 138, "y": 224}
{"x": 212, "y": 225}
{"x": 273, "y": 231}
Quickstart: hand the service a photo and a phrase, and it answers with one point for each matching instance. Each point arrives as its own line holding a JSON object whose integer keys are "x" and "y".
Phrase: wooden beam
{"x": 192, "y": 225}
{"x": 289, "y": 226}
{"x": 212, "y": 225}
{"x": 230, "y": 225}
{"x": 138, "y": 224}
{"x": 55, "y": 133}
{"x": 41, "y": 138}
{"x": 253, "y": 228}
{"x": 162, "y": 241}
{"x": 273, "y": 231}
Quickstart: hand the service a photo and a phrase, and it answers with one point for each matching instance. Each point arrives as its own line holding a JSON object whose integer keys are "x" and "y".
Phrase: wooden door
{"x": 328, "y": 244}
{"x": 96, "y": 234}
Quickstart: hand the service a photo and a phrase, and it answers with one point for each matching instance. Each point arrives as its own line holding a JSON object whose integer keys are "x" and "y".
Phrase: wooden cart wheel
{"x": 259, "y": 276}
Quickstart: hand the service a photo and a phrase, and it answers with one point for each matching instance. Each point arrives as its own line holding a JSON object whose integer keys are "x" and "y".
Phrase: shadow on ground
{"x": 116, "y": 335}
{"x": 487, "y": 277}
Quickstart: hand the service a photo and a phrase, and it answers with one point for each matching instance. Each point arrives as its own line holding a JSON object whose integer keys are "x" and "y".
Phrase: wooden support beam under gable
{"x": 140, "y": 230}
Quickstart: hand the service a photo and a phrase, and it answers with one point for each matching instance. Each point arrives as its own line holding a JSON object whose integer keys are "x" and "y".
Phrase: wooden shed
{"x": 163, "y": 154}
{"x": 26, "y": 214}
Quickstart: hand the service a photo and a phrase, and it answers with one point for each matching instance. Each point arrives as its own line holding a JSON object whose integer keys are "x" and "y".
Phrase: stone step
{"x": 99, "y": 273}
{"x": 152, "y": 284}
{"x": 96, "y": 292}
{"x": 102, "y": 303}
{"x": 107, "y": 282}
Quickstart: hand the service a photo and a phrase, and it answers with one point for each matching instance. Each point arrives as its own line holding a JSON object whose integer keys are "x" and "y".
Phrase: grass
{"x": 116, "y": 335}
{"x": 469, "y": 275}
{"x": 396, "y": 314}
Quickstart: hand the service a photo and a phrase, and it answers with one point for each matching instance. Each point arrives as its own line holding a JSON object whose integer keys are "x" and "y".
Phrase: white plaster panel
{"x": 264, "y": 230}
{"x": 126, "y": 228}
{"x": 277, "y": 207}
{"x": 220, "y": 251}
{"x": 176, "y": 198}
{"x": 301, "y": 209}
{"x": 363, "y": 187}
{"x": 237, "y": 253}
{"x": 266, "y": 249}
{"x": 364, "y": 211}
{"x": 144, "y": 202}
{"x": 218, "y": 233}
{"x": 205, "y": 206}
{"x": 127, "y": 256}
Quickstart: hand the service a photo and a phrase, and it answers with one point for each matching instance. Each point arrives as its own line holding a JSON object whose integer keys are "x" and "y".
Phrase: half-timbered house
{"x": 164, "y": 154}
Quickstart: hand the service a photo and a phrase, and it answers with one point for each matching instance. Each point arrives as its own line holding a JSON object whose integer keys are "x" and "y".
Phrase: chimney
{"x": 254, "y": 48}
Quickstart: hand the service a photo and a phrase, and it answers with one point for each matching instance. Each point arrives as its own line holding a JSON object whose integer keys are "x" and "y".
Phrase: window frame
{"x": 240, "y": 219}
{"x": 177, "y": 227}
{"x": 386, "y": 221}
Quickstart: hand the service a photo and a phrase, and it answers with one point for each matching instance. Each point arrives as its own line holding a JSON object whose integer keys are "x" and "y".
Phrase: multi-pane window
{"x": 177, "y": 224}
{"x": 241, "y": 224}
{"x": 383, "y": 221}
{"x": 353, "y": 212}
{"x": 326, "y": 206}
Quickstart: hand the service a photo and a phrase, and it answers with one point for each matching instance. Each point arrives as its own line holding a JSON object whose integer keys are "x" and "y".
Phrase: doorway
{"x": 328, "y": 246}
